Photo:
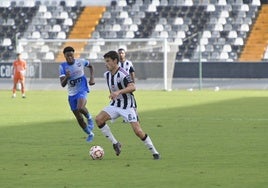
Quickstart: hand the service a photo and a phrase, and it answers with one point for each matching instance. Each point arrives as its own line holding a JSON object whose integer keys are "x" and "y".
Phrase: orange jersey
{"x": 19, "y": 67}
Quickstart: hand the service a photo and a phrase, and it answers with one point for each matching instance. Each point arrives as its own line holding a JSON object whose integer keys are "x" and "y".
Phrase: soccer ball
{"x": 96, "y": 152}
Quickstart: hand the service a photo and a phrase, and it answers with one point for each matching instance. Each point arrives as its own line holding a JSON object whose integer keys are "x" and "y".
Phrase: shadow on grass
{"x": 211, "y": 143}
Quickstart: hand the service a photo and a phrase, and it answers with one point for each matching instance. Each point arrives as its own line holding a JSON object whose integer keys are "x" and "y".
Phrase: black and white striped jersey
{"x": 118, "y": 81}
{"x": 127, "y": 65}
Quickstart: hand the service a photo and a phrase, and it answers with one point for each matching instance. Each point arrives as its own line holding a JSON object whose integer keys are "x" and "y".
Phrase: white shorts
{"x": 129, "y": 114}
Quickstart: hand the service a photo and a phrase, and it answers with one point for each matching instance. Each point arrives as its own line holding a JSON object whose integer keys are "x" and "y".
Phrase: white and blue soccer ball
{"x": 96, "y": 152}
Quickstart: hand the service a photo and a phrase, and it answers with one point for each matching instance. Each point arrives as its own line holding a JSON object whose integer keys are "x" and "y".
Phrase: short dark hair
{"x": 112, "y": 54}
{"x": 68, "y": 49}
{"x": 121, "y": 49}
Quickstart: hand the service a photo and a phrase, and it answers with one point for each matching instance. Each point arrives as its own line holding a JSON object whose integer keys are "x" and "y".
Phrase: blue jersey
{"x": 77, "y": 83}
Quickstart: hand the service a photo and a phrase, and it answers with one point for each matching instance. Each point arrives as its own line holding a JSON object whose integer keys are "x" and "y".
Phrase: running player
{"x": 72, "y": 74}
{"x": 122, "y": 104}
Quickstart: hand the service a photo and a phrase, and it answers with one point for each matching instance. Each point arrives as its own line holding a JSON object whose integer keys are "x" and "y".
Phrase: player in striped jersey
{"x": 72, "y": 74}
{"x": 122, "y": 104}
{"x": 126, "y": 64}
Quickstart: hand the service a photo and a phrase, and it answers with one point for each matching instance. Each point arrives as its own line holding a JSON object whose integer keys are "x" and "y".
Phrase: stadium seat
{"x": 49, "y": 56}
{"x": 239, "y": 41}
{"x": 130, "y": 34}
{"x": 6, "y": 42}
{"x": 61, "y": 35}
{"x": 122, "y": 3}
{"x": 220, "y": 22}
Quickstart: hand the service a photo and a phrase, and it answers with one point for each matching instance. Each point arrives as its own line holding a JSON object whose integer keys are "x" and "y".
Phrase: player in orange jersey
{"x": 19, "y": 70}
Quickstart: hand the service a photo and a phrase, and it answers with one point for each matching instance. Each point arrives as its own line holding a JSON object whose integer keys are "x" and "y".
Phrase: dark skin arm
{"x": 64, "y": 79}
{"x": 91, "y": 78}
{"x": 132, "y": 74}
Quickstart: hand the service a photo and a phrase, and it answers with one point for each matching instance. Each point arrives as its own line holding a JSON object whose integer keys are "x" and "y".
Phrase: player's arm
{"x": 14, "y": 68}
{"x": 23, "y": 72}
{"x": 91, "y": 72}
{"x": 132, "y": 73}
{"x": 64, "y": 79}
{"x": 130, "y": 87}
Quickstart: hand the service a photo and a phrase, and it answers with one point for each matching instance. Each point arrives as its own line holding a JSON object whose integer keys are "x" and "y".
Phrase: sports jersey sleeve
{"x": 131, "y": 67}
{"x": 127, "y": 80}
{"x": 105, "y": 74}
{"x": 61, "y": 70}
{"x": 86, "y": 62}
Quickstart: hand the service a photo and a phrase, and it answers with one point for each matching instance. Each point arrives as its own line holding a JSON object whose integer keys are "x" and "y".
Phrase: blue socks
{"x": 87, "y": 130}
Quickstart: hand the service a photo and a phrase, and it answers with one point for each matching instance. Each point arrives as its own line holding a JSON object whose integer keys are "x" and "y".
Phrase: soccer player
{"x": 122, "y": 104}
{"x": 126, "y": 64}
{"x": 72, "y": 74}
{"x": 19, "y": 70}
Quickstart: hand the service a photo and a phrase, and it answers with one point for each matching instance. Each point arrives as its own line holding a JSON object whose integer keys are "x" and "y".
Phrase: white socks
{"x": 149, "y": 144}
{"x": 106, "y": 131}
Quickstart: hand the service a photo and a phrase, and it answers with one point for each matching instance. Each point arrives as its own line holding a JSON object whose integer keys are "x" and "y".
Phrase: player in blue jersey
{"x": 72, "y": 74}
{"x": 122, "y": 103}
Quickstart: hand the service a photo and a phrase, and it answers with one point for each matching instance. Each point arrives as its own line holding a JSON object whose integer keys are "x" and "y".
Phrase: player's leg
{"x": 107, "y": 114}
{"x": 81, "y": 106}
{"x": 145, "y": 138}
{"x": 79, "y": 117}
{"x": 15, "y": 81}
{"x": 22, "y": 82}
{"x": 131, "y": 116}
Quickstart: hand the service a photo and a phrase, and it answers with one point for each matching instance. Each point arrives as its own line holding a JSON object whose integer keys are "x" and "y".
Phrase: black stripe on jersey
{"x": 112, "y": 84}
{"x": 123, "y": 95}
{"x": 132, "y": 101}
{"x": 107, "y": 79}
{"x": 112, "y": 80}
{"x": 118, "y": 103}
{"x": 108, "y": 83}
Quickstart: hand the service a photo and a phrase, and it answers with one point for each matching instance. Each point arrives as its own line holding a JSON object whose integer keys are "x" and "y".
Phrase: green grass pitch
{"x": 206, "y": 139}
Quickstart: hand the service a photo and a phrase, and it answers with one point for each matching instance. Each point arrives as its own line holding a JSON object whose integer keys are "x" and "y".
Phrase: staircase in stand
{"x": 258, "y": 38}
{"x": 83, "y": 28}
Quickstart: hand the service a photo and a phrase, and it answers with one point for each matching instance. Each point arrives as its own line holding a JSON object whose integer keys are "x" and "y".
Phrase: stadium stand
{"x": 14, "y": 20}
{"x": 258, "y": 39}
{"x": 228, "y": 28}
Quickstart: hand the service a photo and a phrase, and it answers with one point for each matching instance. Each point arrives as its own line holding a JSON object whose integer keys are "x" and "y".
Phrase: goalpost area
{"x": 152, "y": 58}
{"x": 154, "y": 61}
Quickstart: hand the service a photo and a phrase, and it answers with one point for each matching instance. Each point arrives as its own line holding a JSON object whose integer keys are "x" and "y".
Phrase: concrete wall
{"x": 222, "y": 70}
{"x": 155, "y": 70}
{"x": 143, "y": 70}
{"x": 183, "y": 70}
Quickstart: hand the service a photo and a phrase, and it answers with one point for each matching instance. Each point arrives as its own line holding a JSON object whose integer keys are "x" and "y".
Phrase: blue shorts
{"x": 73, "y": 99}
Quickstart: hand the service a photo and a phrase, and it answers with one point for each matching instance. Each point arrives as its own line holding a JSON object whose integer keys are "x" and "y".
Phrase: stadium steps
{"x": 258, "y": 38}
{"x": 83, "y": 28}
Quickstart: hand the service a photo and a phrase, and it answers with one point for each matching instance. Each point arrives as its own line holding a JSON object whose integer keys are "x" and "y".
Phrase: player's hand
{"x": 91, "y": 82}
{"x": 68, "y": 74}
{"x": 114, "y": 95}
